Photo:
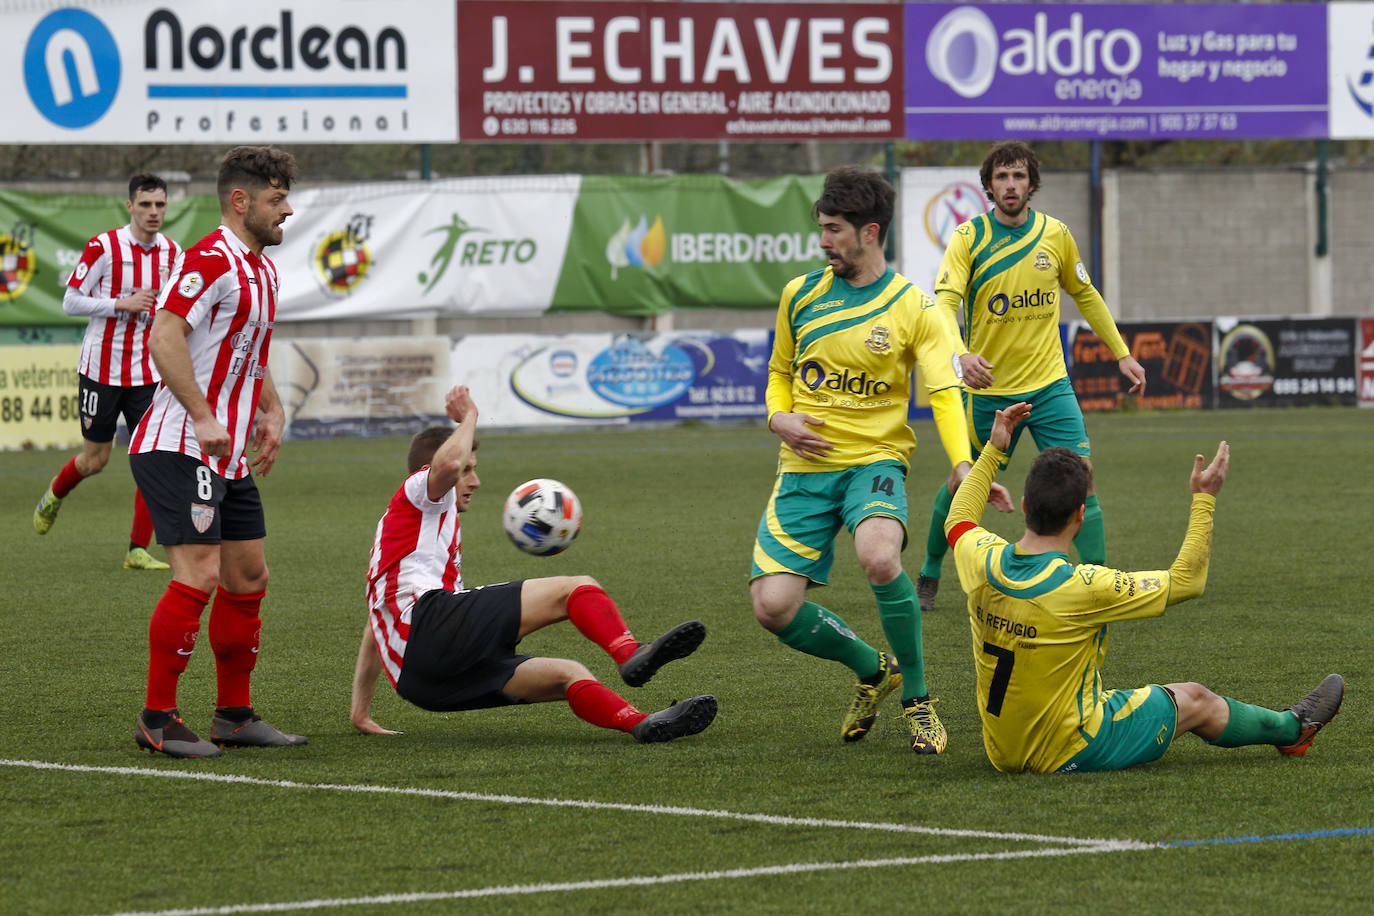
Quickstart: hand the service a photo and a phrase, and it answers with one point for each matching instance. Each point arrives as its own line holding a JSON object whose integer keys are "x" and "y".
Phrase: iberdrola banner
{"x": 42, "y": 236}
{"x": 643, "y": 246}
{"x": 503, "y": 246}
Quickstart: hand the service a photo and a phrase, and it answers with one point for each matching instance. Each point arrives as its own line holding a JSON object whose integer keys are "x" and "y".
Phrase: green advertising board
{"x": 644, "y": 246}
{"x": 42, "y": 236}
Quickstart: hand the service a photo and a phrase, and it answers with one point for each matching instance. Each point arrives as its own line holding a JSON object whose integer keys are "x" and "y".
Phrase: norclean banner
{"x": 1062, "y": 71}
{"x": 230, "y": 71}
{"x": 643, "y": 246}
{"x": 42, "y": 237}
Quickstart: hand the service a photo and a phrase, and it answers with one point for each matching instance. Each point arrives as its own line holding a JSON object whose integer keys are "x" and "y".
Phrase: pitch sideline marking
{"x": 773, "y": 819}
{"x": 640, "y": 881}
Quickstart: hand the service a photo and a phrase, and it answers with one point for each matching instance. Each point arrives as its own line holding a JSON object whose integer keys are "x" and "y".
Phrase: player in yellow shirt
{"x": 1039, "y": 627}
{"x": 839, "y": 384}
{"x": 1007, "y": 268}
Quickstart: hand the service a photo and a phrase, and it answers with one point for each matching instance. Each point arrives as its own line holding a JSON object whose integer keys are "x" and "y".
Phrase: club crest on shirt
{"x": 878, "y": 339}
{"x": 202, "y": 516}
{"x": 1042, "y": 260}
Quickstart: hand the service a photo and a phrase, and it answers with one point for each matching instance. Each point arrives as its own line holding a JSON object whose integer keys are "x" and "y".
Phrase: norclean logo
{"x": 965, "y": 52}
{"x": 71, "y": 68}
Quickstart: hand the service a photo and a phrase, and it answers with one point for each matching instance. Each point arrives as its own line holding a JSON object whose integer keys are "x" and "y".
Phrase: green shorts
{"x": 1137, "y": 727}
{"x": 797, "y": 532}
{"x": 1056, "y": 418}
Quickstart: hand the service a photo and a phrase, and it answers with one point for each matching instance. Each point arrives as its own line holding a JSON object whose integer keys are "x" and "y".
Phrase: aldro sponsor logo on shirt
{"x": 850, "y": 388}
{"x": 1000, "y": 303}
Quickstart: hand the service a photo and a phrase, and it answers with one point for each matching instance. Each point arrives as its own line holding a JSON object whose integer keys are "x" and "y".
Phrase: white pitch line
{"x": 639, "y": 881}
{"x": 772, "y": 819}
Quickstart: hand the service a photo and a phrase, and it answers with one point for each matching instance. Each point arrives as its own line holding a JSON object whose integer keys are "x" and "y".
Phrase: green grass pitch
{"x": 531, "y": 810}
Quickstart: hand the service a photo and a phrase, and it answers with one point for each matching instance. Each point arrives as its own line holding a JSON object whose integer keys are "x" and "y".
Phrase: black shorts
{"x": 102, "y": 404}
{"x": 191, "y": 504}
{"x": 461, "y": 649}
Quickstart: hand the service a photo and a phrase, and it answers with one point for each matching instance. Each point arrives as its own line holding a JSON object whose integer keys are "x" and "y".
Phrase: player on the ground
{"x": 116, "y": 284}
{"x": 839, "y": 385}
{"x": 1007, "y": 267}
{"x": 445, "y": 646}
{"x": 1039, "y": 627}
{"x": 189, "y": 455}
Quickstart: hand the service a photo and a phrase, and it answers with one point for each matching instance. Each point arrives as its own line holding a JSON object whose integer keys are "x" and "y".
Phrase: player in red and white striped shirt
{"x": 116, "y": 283}
{"x": 444, "y": 646}
{"x": 189, "y": 455}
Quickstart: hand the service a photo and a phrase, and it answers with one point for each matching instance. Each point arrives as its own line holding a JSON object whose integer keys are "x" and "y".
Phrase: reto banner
{"x": 1091, "y": 71}
{"x": 229, "y": 71}
{"x": 537, "y": 70}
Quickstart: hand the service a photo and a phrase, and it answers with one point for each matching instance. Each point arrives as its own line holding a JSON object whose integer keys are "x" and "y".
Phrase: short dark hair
{"x": 860, "y": 195}
{"x": 145, "y": 181}
{"x": 1010, "y": 152}
{"x": 254, "y": 168}
{"x": 425, "y": 443}
{"x": 1056, "y": 485}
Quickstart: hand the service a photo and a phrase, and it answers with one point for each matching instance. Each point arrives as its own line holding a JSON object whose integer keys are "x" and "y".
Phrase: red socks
{"x": 171, "y": 639}
{"x": 600, "y": 705}
{"x": 66, "y": 479}
{"x": 596, "y": 617}
{"x": 234, "y": 632}
{"x": 142, "y": 531}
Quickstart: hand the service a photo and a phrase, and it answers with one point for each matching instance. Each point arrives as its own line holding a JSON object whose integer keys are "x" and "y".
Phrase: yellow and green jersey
{"x": 846, "y": 354}
{"x": 1009, "y": 279}
{"x": 1039, "y": 627}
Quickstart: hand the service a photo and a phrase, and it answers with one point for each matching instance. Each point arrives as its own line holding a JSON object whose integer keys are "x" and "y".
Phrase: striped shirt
{"x": 228, "y": 296}
{"x": 115, "y": 265}
{"x": 418, "y": 548}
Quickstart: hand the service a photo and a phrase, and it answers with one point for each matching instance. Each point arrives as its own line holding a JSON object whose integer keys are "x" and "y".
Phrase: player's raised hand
{"x": 459, "y": 405}
{"x": 1210, "y": 478}
{"x": 977, "y": 372}
{"x": 1134, "y": 372}
{"x": 795, "y": 431}
{"x": 1005, "y": 422}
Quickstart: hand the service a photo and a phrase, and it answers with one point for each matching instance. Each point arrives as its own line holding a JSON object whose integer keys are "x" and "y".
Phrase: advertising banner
{"x": 1367, "y": 362}
{"x": 541, "y": 70}
{"x": 1284, "y": 362}
{"x": 1176, "y": 357}
{"x": 934, "y": 202}
{"x": 608, "y": 378}
{"x": 230, "y": 71}
{"x": 376, "y": 387}
{"x": 42, "y": 237}
{"x": 1091, "y": 71}
{"x": 462, "y": 246}
{"x": 1350, "y": 56}
{"x": 642, "y": 246}
{"x": 38, "y": 396}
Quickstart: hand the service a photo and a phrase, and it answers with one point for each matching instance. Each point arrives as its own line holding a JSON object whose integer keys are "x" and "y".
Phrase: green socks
{"x": 1257, "y": 725}
{"x": 936, "y": 545}
{"x": 1092, "y": 537}
{"x": 901, "y": 616}
{"x": 822, "y": 633}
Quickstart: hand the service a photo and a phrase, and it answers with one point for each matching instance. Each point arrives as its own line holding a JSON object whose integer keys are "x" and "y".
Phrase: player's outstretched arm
{"x": 365, "y": 674}
{"x": 1188, "y": 573}
{"x": 448, "y": 462}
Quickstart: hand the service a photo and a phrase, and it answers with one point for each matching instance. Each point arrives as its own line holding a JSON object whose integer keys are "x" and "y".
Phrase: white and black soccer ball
{"x": 542, "y": 517}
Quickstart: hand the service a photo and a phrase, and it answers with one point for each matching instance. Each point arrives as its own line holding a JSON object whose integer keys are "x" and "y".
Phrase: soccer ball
{"x": 542, "y": 517}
